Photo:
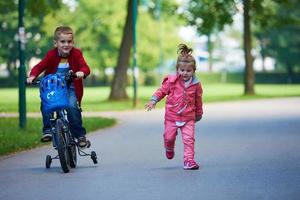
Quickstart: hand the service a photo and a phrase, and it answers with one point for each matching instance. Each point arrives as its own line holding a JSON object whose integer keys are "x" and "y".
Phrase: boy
{"x": 60, "y": 60}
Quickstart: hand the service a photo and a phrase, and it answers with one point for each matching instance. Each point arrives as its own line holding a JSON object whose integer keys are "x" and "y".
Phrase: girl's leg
{"x": 170, "y": 135}
{"x": 188, "y": 138}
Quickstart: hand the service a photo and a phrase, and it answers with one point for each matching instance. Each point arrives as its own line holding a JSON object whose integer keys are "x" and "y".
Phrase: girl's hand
{"x": 150, "y": 105}
{"x": 79, "y": 74}
{"x": 198, "y": 118}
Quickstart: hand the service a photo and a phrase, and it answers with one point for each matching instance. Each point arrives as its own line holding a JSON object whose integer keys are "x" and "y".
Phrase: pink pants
{"x": 188, "y": 137}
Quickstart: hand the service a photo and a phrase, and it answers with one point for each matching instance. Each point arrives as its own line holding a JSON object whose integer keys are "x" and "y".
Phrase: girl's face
{"x": 64, "y": 44}
{"x": 186, "y": 70}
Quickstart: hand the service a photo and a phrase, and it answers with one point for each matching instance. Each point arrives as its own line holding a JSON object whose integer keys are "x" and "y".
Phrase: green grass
{"x": 230, "y": 92}
{"x": 13, "y": 139}
{"x": 95, "y": 98}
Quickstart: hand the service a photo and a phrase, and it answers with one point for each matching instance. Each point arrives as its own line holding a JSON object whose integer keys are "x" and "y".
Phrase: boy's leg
{"x": 47, "y": 135}
{"x": 75, "y": 118}
{"x": 170, "y": 134}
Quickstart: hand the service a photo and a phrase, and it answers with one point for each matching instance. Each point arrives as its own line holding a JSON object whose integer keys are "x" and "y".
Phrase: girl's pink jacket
{"x": 183, "y": 103}
{"x": 50, "y": 63}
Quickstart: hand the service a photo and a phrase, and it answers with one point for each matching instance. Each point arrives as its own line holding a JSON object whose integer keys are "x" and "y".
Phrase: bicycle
{"x": 62, "y": 139}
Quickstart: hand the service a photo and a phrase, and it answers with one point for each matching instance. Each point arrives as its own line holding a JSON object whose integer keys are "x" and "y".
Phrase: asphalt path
{"x": 247, "y": 150}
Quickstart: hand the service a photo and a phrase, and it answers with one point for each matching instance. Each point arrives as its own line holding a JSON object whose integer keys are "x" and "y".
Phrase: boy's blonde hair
{"x": 185, "y": 56}
{"x": 62, "y": 29}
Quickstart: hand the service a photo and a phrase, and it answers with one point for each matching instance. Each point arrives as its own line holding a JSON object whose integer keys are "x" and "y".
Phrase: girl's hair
{"x": 185, "y": 56}
{"x": 62, "y": 29}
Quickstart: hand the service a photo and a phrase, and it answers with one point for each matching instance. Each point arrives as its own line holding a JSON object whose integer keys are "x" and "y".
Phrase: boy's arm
{"x": 198, "y": 102}
{"x": 30, "y": 79}
{"x": 83, "y": 67}
{"x": 40, "y": 67}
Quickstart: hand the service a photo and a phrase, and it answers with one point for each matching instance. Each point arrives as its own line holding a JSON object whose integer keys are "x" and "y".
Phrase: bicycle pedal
{"x": 88, "y": 144}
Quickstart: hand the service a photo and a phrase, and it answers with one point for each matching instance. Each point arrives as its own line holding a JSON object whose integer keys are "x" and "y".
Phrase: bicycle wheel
{"x": 94, "y": 157}
{"x": 62, "y": 146}
{"x": 72, "y": 151}
{"x": 48, "y": 161}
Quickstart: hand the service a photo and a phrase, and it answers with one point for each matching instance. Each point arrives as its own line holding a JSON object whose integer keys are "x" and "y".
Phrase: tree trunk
{"x": 210, "y": 56}
{"x": 263, "y": 53}
{"x": 249, "y": 71}
{"x": 290, "y": 72}
{"x": 119, "y": 83}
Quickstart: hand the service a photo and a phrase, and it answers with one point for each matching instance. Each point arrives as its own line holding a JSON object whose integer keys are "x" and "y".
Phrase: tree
{"x": 149, "y": 46}
{"x": 209, "y": 17}
{"x": 119, "y": 83}
{"x": 249, "y": 71}
{"x": 215, "y": 17}
{"x": 279, "y": 32}
{"x": 9, "y": 29}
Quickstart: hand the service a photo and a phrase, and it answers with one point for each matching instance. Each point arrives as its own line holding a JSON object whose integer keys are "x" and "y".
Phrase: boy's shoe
{"x": 190, "y": 165}
{"x": 47, "y": 137}
{"x": 83, "y": 142}
{"x": 170, "y": 154}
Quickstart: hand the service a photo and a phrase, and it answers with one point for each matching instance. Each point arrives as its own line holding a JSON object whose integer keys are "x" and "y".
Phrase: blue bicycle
{"x": 53, "y": 93}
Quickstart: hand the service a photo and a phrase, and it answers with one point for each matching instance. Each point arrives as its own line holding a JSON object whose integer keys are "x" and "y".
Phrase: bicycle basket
{"x": 54, "y": 93}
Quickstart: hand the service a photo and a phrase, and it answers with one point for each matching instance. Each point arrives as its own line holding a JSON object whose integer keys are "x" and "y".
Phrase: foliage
{"x": 157, "y": 42}
{"x": 277, "y": 29}
{"x": 98, "y": 29}
{"x": 9, "y": 29}
{"x": 209, "y": 16}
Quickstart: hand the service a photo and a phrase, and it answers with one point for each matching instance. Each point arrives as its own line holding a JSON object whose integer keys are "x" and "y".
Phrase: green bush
{"x": 150, "y": 79}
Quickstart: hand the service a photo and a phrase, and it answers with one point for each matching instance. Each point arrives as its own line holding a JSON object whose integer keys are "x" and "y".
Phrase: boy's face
{"x": 64, "y": 44}
{"x": 186, "y": 70}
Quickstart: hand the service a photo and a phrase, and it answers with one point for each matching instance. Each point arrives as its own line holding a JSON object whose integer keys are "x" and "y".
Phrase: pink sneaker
{"x": 170, "y": 154}
{"x": 190, "y": 165}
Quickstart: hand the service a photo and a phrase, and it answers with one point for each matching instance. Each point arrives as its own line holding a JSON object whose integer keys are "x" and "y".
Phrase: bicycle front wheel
{"x": 62, "y": 146}
{"x": 72, "y": 151}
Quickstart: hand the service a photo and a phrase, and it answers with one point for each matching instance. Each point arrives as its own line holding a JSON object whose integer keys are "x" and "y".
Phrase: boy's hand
{"x": 150, "y": 105}
{"x": 79, "y": 74}
{"x": 30, "y": 79}
{"x": 198, "y": 118}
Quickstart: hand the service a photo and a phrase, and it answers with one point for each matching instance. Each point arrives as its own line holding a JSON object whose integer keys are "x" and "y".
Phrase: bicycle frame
{"x": 60, "y": 114}
{"x": 70, "y": 140}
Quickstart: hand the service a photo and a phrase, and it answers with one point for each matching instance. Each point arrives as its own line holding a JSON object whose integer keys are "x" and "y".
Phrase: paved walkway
{"x": 248, "y": 150}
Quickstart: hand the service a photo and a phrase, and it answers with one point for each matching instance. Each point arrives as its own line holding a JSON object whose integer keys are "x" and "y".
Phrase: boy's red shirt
{"x": 51, "y": 61}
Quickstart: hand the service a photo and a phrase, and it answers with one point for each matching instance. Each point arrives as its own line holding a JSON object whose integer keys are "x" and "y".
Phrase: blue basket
{"x": 54, "y": 93}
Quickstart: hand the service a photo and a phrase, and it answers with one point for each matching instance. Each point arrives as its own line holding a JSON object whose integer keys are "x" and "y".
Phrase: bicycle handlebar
{"x": 69, "y": 77}
{"x": 34, "y": 82}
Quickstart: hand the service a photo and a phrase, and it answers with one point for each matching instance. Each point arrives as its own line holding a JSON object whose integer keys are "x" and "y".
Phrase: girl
{"x": 183, "y": 106}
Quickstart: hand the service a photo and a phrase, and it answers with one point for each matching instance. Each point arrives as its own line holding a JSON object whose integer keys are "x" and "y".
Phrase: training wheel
{"x": 94, "y": 157}
{"x": 48, "y": 161}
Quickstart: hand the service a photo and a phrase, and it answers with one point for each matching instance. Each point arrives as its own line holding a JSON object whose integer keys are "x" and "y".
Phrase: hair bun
{"x": 183, "y": 49}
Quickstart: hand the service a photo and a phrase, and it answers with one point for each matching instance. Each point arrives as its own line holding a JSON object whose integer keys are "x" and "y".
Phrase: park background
{"x": 244, "y": 50}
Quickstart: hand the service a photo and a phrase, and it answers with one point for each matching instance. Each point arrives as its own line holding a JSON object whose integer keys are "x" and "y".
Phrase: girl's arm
{"x": 150, "y": 105}
{"x": 198, "y": 102}
{"x": 158, "y": 95}
{"x": 162, "y": 91}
